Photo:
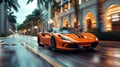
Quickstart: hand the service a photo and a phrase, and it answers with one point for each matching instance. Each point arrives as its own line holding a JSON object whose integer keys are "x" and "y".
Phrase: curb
{"x": 45, "y": 57}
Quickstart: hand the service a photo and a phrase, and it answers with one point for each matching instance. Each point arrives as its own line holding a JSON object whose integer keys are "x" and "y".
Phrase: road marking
{"x": 47, "y": 58}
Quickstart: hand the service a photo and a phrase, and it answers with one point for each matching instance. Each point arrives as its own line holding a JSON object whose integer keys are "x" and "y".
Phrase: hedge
{"x": 112, "y": 36}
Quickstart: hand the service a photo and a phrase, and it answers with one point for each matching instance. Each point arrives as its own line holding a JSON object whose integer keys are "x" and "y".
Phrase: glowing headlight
{"x": 96, "y": 38}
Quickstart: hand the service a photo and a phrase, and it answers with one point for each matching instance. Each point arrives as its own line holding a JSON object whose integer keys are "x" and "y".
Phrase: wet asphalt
{"x": 14, "y": 54}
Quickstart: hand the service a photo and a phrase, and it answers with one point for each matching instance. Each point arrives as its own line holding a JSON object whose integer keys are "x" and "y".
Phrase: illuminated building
{"x": 93, "y": 14}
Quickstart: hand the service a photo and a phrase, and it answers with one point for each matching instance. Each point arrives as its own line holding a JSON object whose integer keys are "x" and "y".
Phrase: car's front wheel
{"x": 38, "y": 40}
{"x": 53, "y": 44}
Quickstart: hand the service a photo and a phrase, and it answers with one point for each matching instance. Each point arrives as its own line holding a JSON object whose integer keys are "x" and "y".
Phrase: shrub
{"x": 3, "y": 35}
{"x": 112, "y": 36}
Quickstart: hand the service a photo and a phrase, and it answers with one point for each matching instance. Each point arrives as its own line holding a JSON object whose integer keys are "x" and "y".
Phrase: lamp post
{"x": 51, "y": 23}
{"x": 28, "y": 31}
{"x": 36, "y": 30}
{"x": 24, "y": 32}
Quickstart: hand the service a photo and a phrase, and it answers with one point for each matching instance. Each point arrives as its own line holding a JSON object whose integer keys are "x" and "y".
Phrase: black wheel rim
{"x": 53, "y": 44}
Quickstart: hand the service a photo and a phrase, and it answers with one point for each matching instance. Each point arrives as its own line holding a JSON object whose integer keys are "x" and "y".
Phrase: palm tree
{"x": 52, "y": 5}
{"x": 40, "y": 3}
{"x": 34, "y": 19}
{"x": 12, "y": 20}
{"x": 38, "y": 18}
{"x": 8, "y": 5}
{"x": 47, "y": 5}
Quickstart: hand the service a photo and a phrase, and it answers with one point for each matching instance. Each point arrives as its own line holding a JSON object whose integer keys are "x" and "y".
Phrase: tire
{"x": 53, "y": 44}
{"x": 38, "y": 40}
{"x": 93, "y": 45}
{"x": 90, "y": 49}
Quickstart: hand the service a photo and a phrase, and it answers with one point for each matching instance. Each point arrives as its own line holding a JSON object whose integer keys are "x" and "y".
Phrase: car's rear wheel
{"x": 38, "y": 40}
{"x": 53, "y": 44}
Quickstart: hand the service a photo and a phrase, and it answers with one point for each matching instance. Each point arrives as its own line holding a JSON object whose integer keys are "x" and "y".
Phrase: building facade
{"x": 1, "y": 18}
{"x": 93, "y": 14}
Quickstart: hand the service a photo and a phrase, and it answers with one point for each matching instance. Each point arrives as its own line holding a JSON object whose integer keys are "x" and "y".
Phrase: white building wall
{"x": 1, "y": 18}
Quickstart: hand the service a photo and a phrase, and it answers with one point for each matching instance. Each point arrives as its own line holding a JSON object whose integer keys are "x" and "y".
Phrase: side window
{"x": 50, "y": 30}
{"x": 43, "y": 34}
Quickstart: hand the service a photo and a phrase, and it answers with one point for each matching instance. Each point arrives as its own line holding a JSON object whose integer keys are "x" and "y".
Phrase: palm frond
{"x": 29, "y": 1}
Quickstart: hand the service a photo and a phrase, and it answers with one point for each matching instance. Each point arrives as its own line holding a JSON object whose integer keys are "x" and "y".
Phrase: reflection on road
{"x": 100, "y": 57}
{"x": 103, "y": 56}
{"x": 14, "y": 54}
{"x": 7, "y": 56}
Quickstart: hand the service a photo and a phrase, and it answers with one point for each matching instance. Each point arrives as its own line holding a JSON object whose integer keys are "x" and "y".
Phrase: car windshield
{"x": 65, "y": 30}
{"x": 56, "y": 30}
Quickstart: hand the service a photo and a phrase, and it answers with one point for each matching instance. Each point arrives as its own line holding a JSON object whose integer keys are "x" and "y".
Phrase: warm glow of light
{"x": 116, "y": 19}
{"x": 91, "y": 17}
{"x": 80, "y": 2}
{"x": 35, "y": 27}
{"x": 88, "y": 18}
{"x": 115, "y": 15}
{"x": 50, "y": 21}
{"x": 66, "y": 9}
{"x": 28, "y": 29}
{"x": 65, "y": 23}
{"x": 108, "y": 27}
{"x": 108, "y": 18}
{"x": 111, "y": 15}
{"x": 114, "y": 10}
{"x": 66, "y": 6}
{"x": 73, "y": 22}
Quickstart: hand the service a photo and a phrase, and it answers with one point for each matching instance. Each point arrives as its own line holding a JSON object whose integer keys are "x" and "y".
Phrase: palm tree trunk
{"x": 5, "y": 17}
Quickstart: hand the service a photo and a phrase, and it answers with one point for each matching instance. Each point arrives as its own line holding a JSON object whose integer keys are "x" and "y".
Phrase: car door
{"x": 47, "y": 38}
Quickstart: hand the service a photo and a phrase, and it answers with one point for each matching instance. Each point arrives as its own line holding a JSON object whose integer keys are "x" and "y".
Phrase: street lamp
{"x": 51, "y": 23}
{"x": 24, "y": 31}
{"x": 28, "y": 29}
{"x": 36, "y": 29}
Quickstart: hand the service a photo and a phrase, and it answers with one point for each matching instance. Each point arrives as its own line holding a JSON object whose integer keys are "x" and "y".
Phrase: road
{"x": 23, "y": 51}
{"x": 14, "y": 54}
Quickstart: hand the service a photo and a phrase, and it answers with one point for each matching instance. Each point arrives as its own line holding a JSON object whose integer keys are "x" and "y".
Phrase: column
{"x": 61, "y": 6}
{"x": 69, "y": 4}
{"x": 69, "y": 19}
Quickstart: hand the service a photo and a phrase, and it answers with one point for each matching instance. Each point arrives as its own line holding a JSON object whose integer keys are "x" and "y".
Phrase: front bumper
{"x": 81, "y": 45}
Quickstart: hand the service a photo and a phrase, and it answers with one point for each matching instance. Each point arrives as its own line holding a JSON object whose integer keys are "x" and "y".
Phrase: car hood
{"x": 76, "y": 38}
{"x": 71, "y": 37}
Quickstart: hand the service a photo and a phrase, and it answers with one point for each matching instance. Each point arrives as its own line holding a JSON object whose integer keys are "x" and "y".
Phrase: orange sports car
{"x": 67, "y": 39}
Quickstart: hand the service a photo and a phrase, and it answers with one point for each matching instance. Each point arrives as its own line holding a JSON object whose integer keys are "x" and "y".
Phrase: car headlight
{"x": 96, "y": 39}
{"x": 63, "y": 38}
